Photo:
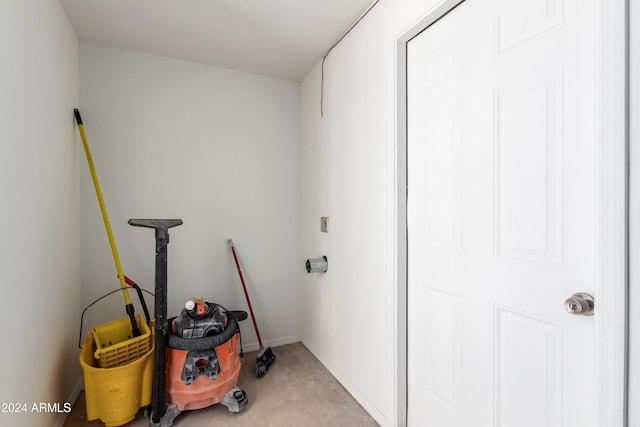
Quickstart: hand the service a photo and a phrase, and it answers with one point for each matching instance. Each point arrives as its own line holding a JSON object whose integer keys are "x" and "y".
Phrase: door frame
{"x": 611, "y": 117}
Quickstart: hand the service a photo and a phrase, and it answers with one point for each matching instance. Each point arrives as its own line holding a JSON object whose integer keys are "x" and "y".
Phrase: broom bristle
{"x": 264, "y": 361}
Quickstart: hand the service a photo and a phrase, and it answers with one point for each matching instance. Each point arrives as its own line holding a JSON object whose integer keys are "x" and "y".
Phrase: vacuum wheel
{"x": 235, "y": 400}
{"x": 242, "y": 398}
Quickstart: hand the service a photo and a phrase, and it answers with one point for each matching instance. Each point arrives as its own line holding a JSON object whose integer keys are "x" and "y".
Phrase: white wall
{"x": 215, "y": 147}
{"x": 40, "y": 244}
{"x": 634, "y": 213}
{"x": 348, "y": 173}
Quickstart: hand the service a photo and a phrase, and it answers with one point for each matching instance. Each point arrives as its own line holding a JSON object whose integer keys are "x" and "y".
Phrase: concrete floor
{"x": 297, "y": 391}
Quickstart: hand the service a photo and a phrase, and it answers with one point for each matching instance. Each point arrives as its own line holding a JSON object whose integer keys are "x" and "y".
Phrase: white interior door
{"x": 501, "y": 215}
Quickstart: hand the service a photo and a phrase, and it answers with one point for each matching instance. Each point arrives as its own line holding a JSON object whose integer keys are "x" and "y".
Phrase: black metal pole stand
{"x": 161, "y": 226}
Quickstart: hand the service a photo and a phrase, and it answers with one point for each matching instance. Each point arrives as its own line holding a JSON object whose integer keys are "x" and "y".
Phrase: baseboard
{"x": 348, "y": 385}
{"x": 73, "y": 396}
{"x": 254, "y": 346}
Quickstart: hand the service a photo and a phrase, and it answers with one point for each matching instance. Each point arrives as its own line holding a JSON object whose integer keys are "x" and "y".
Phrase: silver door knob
{"x": 580, "y": 304}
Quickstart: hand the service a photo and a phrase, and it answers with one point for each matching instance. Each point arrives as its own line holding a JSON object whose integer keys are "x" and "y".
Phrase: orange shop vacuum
{"x": 196, "y": 361}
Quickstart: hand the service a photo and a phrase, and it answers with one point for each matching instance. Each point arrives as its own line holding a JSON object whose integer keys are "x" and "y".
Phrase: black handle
{"x": 135, "y": 286}
{"x": 76, "y": 112}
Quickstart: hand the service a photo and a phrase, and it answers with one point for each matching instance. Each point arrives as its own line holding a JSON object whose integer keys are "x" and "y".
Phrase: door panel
{"x": 501, "y": 215}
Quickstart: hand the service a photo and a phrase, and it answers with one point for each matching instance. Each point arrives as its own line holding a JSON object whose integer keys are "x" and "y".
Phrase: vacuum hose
{"x": 204, "y": 343}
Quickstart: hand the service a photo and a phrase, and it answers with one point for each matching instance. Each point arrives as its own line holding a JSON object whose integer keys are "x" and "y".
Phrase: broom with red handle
{"x": 265, "y": 355}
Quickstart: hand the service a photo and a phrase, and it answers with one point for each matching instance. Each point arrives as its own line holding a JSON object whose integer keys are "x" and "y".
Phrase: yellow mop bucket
{"x": 114, "y": 389}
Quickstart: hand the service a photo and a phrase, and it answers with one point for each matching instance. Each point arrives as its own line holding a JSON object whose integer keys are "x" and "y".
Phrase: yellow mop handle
{"x": 105, "y": 217}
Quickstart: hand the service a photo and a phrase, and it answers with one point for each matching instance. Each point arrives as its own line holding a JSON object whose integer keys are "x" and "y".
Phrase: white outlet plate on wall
{"x": 324, "y": 224}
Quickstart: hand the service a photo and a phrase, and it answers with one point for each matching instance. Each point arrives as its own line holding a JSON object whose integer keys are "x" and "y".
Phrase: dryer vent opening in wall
{"x": 317, "y": 265}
